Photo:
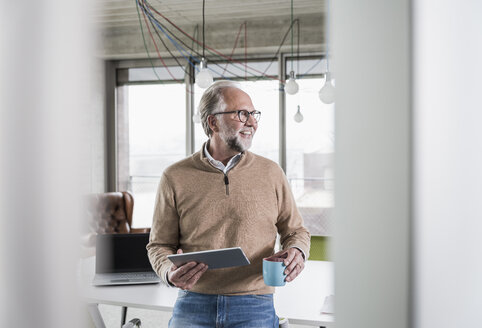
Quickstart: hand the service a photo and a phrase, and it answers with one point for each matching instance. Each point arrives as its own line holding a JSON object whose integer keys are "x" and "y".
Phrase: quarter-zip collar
{"x": 219, "y": 165}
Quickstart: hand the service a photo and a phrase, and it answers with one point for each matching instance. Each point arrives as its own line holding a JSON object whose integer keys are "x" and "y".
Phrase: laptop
{"x": 121, "y": 259}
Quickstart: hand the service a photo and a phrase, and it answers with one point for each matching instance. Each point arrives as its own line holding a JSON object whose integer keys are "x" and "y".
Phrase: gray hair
{"x": 212, "y": 101}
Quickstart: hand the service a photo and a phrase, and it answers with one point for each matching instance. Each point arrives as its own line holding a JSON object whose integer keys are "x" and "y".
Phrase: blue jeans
{"x": 220, "y": 311}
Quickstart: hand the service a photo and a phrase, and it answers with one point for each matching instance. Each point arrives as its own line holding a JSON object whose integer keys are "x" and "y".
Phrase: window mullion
{"x": 282, "y": 111}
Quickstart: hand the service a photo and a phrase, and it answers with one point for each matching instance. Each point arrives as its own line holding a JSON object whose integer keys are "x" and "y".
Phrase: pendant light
{"x": 291, "y": 87}
{"x": 298, "y": 116}
{"x": 204, "y": 78}
{"x": 196, "y": 118}
{"x": 327, "y": 92}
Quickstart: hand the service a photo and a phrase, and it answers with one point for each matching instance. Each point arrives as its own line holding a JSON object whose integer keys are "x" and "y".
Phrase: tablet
{"x": 215, "y": 259}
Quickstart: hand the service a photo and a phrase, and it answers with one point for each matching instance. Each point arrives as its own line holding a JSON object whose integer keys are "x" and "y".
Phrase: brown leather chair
{"x": 109, "y": 212}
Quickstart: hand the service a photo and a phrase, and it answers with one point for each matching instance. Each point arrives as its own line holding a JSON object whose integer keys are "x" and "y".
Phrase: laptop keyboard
{"x": 134, "y": 275}
{"x": 128, "y": 277}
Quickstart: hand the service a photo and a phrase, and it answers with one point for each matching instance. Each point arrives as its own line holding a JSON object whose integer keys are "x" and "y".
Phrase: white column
{"x": 43, "y": 142}
{"x": 448, "y": 163}
{"x": 371, "y": 43}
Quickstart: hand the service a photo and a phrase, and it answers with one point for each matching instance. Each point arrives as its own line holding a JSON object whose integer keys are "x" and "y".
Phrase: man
{"x": 225, "y": 196}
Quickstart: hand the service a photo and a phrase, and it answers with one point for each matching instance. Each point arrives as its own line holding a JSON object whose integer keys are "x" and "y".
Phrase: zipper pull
{"x": 226, "y": 182}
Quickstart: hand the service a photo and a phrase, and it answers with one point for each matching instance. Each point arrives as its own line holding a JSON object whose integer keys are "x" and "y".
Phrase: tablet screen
{"x": 215, "y": 259}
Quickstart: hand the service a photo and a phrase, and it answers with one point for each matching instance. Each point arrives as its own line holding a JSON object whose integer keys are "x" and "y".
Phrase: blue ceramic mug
{"x": 273, "y": 271}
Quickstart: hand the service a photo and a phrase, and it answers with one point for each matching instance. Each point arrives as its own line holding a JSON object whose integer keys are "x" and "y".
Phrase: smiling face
{"x": 237, "y": 135}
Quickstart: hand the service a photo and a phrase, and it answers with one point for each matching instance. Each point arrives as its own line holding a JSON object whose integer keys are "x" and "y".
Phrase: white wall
{"x": 448, "y": 163}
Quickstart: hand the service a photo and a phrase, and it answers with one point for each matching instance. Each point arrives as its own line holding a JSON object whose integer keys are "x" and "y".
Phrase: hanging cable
{"x": 204, "y": 31}
{"x": 209, "y": 48}
{"x": 298, "y": 46}
{"x": 291, "y": 34}
{"x": 275, "y": 57}
{"x": 145, "y": 45}
{"x": 327, "y": 42}
{"x": 217, "y": 52}
{"x": 311, "y": 68}
{"x": 158, "y": 53}
{"x": 147, "y": 12}
{"x": 181, "y": 51}
{"x": 245, "y": 50}
{"x": 169, "y": 51}
{"x": 194, "y": 40}
{"x": 188, "y": 51}
{"x": 164, "y": 27}
{"x": 234, "y": 47}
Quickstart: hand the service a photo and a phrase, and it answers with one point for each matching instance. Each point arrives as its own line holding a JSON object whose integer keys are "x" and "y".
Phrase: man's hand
{"x": 293, "y": 260}
{"x": 186, "y": 275}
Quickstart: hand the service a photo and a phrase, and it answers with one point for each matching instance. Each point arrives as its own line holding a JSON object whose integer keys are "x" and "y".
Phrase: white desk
{"x": 300, "y": 300}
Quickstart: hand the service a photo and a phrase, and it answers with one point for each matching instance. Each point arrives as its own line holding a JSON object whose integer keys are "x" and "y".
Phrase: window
{"x": 154, "y": 131}
{"x": 156, "y": 139}
{"x": 309, "y": 155}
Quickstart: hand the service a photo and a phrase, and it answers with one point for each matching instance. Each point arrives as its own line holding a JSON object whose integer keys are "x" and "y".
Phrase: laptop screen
{"x": 117, "y": 253}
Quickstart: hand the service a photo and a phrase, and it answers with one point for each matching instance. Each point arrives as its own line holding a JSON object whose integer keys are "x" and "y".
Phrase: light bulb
{"x": 298, "y": 116}
{"x": 291, "y": 87}
{"x": 196, "y": 118}
{"x": 327, "y": 92}
{"x": 204, "y": 78}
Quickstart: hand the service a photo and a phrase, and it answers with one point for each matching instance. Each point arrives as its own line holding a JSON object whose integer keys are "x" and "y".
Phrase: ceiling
{"x": 118, "y": 13}
{"x": 267, "y": 22}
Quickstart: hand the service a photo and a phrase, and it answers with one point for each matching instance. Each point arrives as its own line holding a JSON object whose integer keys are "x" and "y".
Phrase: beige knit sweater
{"x": 196, "y": 210}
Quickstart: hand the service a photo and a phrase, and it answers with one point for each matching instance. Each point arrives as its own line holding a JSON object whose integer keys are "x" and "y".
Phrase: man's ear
{"x": 213, "y": 123}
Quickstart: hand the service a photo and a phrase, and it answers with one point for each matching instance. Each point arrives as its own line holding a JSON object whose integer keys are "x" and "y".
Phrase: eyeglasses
{"x": 243, "y": 114}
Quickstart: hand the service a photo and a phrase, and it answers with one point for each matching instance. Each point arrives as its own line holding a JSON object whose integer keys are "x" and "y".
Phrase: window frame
{"x": 117, "y": 115}
{"x": 122, "y": 66}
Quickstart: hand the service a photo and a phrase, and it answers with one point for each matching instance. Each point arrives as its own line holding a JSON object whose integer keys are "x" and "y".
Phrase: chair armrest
{"x": 140, "y": 230}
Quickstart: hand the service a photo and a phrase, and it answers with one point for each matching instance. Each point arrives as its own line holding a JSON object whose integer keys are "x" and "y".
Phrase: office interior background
{"x": 86, "y": 109}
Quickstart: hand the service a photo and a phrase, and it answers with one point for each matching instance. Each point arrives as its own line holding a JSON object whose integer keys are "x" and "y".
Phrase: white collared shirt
{"x": 219, "y": 165}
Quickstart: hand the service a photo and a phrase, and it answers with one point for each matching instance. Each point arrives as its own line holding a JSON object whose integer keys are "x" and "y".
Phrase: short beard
{"x": 234, "y": 144}
{"x": 229, "y": 136}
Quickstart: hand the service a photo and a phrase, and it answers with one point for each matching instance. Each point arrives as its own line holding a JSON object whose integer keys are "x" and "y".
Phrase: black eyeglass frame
{"x": 239, "y": 111}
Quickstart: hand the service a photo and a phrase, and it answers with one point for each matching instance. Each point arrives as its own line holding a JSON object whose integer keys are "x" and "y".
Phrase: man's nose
{"x": 251, "y": 121}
